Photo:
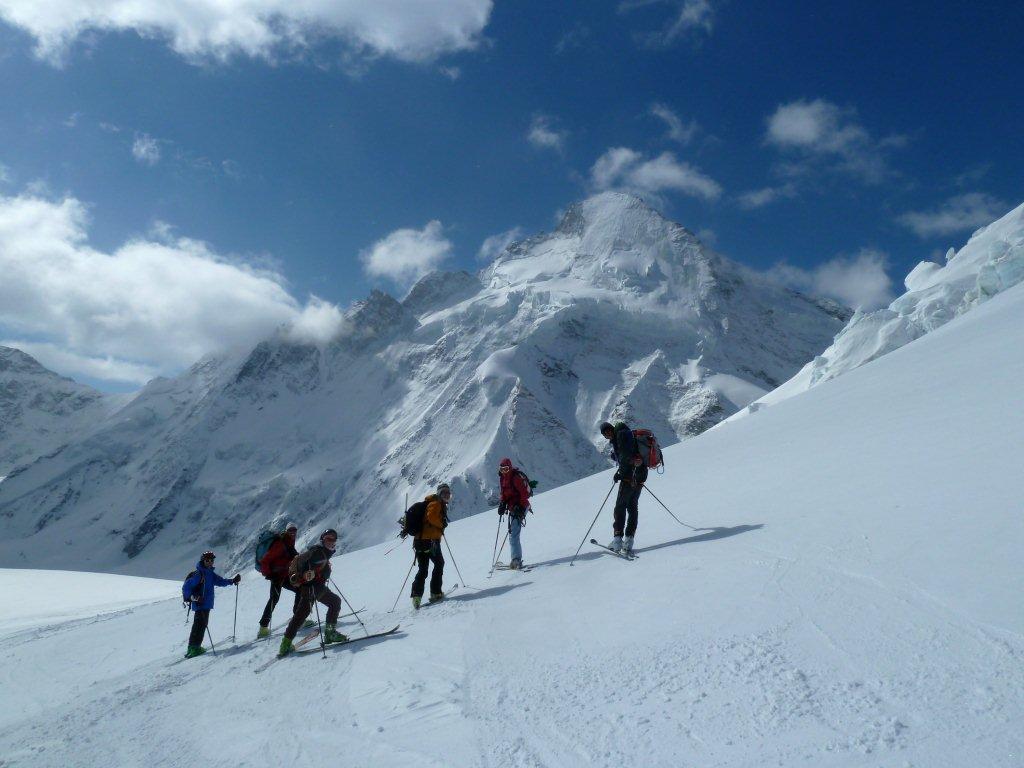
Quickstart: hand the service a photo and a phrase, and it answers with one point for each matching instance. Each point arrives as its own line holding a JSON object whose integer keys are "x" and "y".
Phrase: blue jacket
{"x": 203, "y": 581}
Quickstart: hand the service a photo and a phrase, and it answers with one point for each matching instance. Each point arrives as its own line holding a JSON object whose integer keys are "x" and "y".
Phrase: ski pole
{"x": 403, "y": 584}
{"x": 592, "y": 524}
{"x": 669, "y": 510}
{"x": 234, "y": 626}
{"x": 453, "y": 559}
{"x": 399, "y": 535}
{"x": 495, "y": 563}
{"x": 394, "y": 548}
{"x": 342, "y": 594}
{"x": 320, "y": 629}
{"x": 211, "y": 640}
{"x": 494, "y": 554}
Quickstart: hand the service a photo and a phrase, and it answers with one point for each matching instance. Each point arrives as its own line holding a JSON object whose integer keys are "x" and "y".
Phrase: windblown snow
{"x": 849, "y": 595}
{"x": 617, "y": 313}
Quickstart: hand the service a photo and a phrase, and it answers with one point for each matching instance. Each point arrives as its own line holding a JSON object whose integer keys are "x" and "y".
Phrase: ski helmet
{"x": 291, "y": 527}
{"x": 444, "y": 491}
{"x": 208, "y": 555}
{"x": 330, "y": 533}
{"x": 606, "y": 427}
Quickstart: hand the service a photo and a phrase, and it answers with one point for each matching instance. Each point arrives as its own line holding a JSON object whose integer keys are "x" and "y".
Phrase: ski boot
{"x": 286, "y": 647}
{"x": 516, "y": 564}
{"x": 436, "y": 597}
{"x": 416, "y": 600}
{"x": 263, "y": 632}
{"x": 308, "y": 624}
{"x": 194, "y": 650}
{"x": 616, "y": 544}
{"x": 627, "y": 545}
{"x": 331, "y": 635}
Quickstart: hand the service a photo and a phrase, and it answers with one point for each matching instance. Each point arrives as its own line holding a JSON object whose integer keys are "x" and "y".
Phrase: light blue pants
{"x": 514, "y": 527}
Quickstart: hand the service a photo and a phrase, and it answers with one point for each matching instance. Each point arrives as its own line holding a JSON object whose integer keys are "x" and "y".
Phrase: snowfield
{"x": 852, "y": 598}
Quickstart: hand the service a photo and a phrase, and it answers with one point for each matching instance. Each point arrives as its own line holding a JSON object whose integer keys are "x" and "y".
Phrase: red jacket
{"x": 274, "y": 564}
{"x": 514, "y": 490}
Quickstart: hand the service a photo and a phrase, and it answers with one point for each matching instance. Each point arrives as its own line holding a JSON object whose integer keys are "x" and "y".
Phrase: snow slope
{"x": 851, "y": 598}
{"x": 617, "y": 313}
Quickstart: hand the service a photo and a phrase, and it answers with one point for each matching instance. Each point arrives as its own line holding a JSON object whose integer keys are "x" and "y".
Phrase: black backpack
{"x": 198, "y": 589}
{"x": 412, "y": 521}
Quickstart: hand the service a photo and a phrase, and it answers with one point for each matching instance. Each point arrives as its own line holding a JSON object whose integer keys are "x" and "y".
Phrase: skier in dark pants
{"x": 309, "y": 574}
{"x": 198, "y": 591}
{"x": 427, "y": 546}
{"x": 274, "y": 566}
{"x": 631, "y": 476}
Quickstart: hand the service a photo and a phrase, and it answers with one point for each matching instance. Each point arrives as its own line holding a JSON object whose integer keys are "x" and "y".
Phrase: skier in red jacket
{"x": 515, "y": 499}
{"x": 274, "y": 565}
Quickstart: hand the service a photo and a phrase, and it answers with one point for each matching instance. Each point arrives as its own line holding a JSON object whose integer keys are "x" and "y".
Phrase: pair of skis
{"x": 499, "y": 566}
{"x": 609, "y": 550}
{"x": 299, "y": 650}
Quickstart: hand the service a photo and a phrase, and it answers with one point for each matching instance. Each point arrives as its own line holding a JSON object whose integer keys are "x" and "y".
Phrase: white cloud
{"x": 5, "y": 174}
{"x": 758, "y": 198}
{"x": 544, "y": 135}
{"x": 858, "y": 282}
{"x": 146, "y": 149}
{"x": 318, "y": 323}
{"x": 627, "y": 169}
{"x": 493, "y": 246}
{"x": 960, "y": 213}
{"x": 452, "y": 73}
{"x": 148, "y": 306}
{"x": 406, "y": 255}
{"x": 574, "y": 38}
{"x": 220, "y": 29}
{"x": 677, "y": 130}
{"x": 820, "y": 131}
{"x": 689, "y": 16}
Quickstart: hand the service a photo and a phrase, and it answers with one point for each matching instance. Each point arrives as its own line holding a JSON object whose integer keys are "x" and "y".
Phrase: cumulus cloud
{"x": 958, "y": 214}
{"x": 317, "y": 323}
{"x": 406, "y": 255}
{"x": 146, "y": 149}
{"x": 544, "y": 135}
{"x": 758, "y": 198}
{"x": 688, "y": 17}
{"x": 860, "y": 282}
{"x": 627, "y": 169}
{"x": 677, "y": 130}
{"x": 148, "y": 306}
{"x": 492, "y": 247}
{"x": 220, "y": 29}
{"x": 819, "y": 131}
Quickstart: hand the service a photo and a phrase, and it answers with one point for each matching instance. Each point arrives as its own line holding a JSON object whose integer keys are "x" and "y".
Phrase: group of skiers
{"x": 307, "y": 574}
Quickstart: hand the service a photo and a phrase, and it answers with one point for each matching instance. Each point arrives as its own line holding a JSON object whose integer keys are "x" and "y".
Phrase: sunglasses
{"x": 503, "y": 470}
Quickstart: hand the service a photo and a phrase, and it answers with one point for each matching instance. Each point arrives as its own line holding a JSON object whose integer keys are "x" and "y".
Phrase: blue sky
{"x": 276, "y": 159}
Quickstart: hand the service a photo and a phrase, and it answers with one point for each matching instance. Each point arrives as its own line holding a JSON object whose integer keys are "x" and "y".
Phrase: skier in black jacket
{"x": 631, "y": 476}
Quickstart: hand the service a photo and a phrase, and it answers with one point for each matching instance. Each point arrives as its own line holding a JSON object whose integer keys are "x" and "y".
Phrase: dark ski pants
{"x": 304, "y": 605}
{"x": 275, "y": 595}
{"x": 427, "y": 552}
{"x": 627, "y": 503}
{"x": 199, "y": 624}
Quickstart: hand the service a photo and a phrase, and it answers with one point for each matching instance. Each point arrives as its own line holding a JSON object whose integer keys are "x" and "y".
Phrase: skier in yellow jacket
{"x": 427, "y": 545}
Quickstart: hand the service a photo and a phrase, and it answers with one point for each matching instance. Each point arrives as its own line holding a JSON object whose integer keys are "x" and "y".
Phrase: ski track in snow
{"x": 846, "y": 602}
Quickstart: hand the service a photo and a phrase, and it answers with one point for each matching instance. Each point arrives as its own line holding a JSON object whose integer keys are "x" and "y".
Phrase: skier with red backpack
{"x": 273, "y": 564}
{"x": 515, "y": 500}
{"x": 631, "y": 476}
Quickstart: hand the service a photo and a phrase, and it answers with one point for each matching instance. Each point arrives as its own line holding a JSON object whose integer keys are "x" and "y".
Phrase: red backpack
{"x": 650, "y": 451}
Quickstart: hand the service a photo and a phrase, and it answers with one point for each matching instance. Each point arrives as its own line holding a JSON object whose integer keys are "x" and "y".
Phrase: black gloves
{"x": 618, "y": 476}
{"x": 502, "y": 508}
{"x": 238, "y": 578}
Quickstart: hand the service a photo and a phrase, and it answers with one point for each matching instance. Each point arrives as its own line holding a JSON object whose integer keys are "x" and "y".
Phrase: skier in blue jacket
{"x": 198, "y": 591}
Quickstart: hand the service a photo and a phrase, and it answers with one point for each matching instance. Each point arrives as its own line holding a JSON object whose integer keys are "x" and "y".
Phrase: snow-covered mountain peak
{"x": 440, "y": 289}
{"x": 15, "y": 361}
{"x": 614, "y": 246}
